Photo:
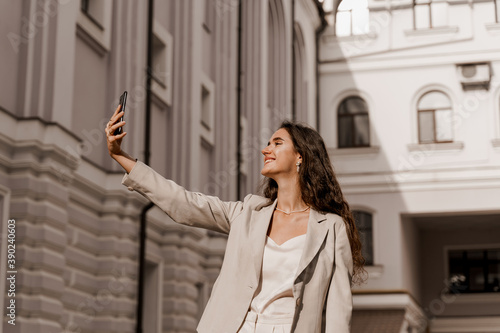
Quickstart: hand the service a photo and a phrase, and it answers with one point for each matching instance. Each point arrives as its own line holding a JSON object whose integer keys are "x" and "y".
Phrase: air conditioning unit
{"x": 475, "y": 75}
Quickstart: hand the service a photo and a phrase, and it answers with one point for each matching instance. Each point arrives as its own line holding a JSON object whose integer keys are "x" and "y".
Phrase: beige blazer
{"x": 324, "y": 276}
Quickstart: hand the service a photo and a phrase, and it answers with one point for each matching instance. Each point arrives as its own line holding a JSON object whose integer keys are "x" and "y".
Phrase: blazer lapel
{"x": 260, "y": 221}
{"x": 316, "y": 232}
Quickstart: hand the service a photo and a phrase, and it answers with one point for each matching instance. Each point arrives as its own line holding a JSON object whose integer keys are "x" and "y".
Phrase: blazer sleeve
{"x": 339, "y": 301}
{"x": 185, "y": 207}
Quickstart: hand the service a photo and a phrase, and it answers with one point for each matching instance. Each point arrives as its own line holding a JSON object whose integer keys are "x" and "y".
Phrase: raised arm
{"x": 183, "y": 206}
{"x": 186, "y": 207}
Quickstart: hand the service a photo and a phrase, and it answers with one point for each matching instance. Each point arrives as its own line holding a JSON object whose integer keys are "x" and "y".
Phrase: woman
{"x": 291, "y": 255}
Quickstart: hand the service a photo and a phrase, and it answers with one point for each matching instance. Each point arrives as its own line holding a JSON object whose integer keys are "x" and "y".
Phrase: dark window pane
{"x": 493, "y": 270}
{"x": 353, "y": 123}
{"x": 474, "y": 271}
{"x": 475, "y": 255}
{"x": 345, "y": 132}
{"x": 363, "y": 222}
{"x": 353, "y": 105}
{"x": 361, "y": 130}
{"x": 426, "y": 126}
{"x": 476, "y": 279}
{"x": 85, "y": 6}
{"x": 494, "y": 255}
{"x": 363, "y": 219}
{"x": 494, "y": 277}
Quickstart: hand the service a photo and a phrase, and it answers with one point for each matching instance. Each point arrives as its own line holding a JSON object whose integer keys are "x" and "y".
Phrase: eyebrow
{"x": 275, "y": 139}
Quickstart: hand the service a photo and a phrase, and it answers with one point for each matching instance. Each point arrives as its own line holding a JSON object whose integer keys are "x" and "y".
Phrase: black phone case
{"x": 123, "y": 102}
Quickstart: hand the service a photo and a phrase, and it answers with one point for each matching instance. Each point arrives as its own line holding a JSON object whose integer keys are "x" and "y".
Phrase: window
{"x": 434, "y": 118}
{"x": 206, "y": 108}
{"x": 159, "y": 72}
{"x": 94, "y": 11}
{"x": 151, "y": 311}
{"x": 353, "y": 123}
{"x": 428, "y": 14}
{"x": 94, "y": 24}
{"x": 474, "y": 271}
{"x": 162, "y": 63}
{"x": 207, "y": 112}
{"x": 209, "y": 19}
{"x": 364, "y": 224}
{"x": 352, "y": 18}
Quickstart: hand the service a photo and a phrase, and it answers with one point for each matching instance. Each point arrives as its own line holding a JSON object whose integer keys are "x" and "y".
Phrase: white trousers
{"x": 265, "y": 323}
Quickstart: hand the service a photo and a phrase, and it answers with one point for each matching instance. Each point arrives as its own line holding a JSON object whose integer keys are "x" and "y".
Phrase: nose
{"x": 265, "y": 151}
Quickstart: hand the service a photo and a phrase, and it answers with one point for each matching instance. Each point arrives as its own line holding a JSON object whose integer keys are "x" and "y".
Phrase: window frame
{"x": 350, "y": 20}
{"x": 484, "y": 248}
{"x": 353, "y": 14}
{"x": 95, "y": 33}
{"x": 433, "y": 110}
{"x": 353, "y": 128}
{"x": 207, "y": 129}
{"x": 163, "y": 88}
{"x": 414, "y": 5}
{"x": 370, "y": 228}
{"x": 152, "y": 300}
{"x": 84, "y": 8}
{"x": 209, "y": 16}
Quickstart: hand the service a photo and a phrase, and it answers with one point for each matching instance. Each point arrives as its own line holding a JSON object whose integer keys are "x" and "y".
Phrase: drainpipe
{"x": 238, "y": 101}
{"x": 319, "y": 31}
{"x": 147, "y": 152}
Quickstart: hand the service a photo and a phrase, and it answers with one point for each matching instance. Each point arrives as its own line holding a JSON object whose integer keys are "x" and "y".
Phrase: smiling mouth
{"x": 268, "y": 161}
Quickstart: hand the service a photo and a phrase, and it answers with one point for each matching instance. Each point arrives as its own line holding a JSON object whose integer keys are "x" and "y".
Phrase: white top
{"x": 280, "y": 263}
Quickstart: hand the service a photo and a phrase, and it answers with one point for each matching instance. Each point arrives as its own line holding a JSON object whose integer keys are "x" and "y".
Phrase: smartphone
{"x": 123, "y": 102}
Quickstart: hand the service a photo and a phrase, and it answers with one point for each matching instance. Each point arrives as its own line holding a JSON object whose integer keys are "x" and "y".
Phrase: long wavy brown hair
{"x": 319, "y": 187}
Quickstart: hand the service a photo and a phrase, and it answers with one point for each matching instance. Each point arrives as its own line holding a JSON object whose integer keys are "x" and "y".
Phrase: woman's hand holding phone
{"x": 114, "y": 140}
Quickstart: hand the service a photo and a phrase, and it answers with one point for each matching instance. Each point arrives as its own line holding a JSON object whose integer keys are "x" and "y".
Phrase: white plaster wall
{"x": 390, "y": 68}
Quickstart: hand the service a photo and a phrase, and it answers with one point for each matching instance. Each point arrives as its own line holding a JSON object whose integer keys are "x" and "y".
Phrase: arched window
{"x": 352, "y": 18}
{"x": 435, "y": 118}
{"x": 365, "y": 228}
{"x": 353, "y": 123}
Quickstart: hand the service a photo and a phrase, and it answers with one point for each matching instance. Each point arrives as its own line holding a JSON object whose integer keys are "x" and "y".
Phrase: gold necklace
{"x": 293, "y": 211}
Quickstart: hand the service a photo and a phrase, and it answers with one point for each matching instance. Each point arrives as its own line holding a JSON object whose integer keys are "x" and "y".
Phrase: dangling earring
{"x": 298, "y": 166}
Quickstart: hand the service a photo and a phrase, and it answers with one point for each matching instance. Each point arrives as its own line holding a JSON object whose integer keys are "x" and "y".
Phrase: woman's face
{"x": 280, "y": 157}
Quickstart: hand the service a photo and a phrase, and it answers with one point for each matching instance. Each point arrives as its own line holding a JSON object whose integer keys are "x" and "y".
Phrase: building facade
{"x": 221, "y": 82}
{"x": 408, "y": 103}
{"x": 413, "y": 96}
